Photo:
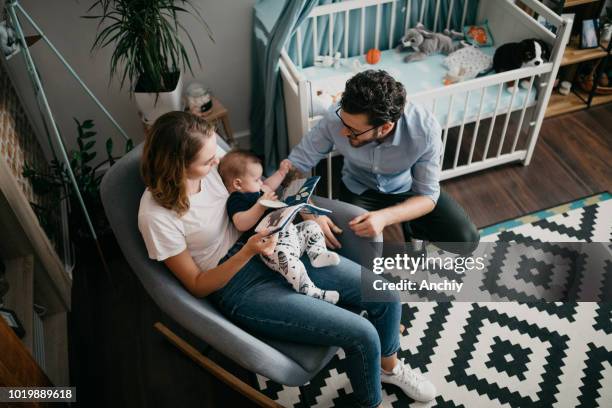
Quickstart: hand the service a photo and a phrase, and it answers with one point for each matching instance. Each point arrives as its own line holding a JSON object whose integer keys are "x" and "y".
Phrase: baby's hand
{"x": 268, "y": 195}
{"x": 285, "y": 166}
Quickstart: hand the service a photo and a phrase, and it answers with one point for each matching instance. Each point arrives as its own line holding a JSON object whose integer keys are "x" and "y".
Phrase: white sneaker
{"x": 412, "y": 383}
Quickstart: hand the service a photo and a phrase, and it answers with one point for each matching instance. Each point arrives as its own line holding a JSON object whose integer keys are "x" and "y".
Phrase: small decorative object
{"x": 606, "y": 26}
{"x": 327, "y": 61}
{"x": 604, "y": 80}
{"x": 11, "y": 319}
{"x": 478, "y": 35}
{"x": 588, "y": 38}
{"x": 527, "y": 53}
{"x": 606, "y": 32}
{"x": 198, "y": 98}
{"x": 565, "y": 87}
{"x": 425, "y": 43}
{"x": 372, "y": 57}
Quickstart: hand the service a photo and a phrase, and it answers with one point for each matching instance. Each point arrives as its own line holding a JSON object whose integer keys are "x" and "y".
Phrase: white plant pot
{"x": 151, "y": 106}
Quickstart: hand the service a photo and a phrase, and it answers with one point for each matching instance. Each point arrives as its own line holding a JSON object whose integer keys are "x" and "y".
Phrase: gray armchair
{"x": 287, "y": 363}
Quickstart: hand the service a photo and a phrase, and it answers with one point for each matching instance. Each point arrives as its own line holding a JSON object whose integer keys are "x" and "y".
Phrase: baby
{"x": 241, "y": 172}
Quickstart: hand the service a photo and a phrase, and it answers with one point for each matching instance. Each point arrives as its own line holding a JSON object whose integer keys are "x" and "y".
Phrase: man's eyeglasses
{"x": 354, "y": 134}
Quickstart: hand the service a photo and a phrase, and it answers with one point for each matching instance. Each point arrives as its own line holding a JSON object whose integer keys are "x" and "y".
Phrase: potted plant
{"x": 55, "y": 184}
{"x": 147, "y": 48}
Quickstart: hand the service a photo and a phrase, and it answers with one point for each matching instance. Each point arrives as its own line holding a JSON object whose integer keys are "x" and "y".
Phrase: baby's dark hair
{"x": 234, "y": 164}
{"x": 375, "y": 93}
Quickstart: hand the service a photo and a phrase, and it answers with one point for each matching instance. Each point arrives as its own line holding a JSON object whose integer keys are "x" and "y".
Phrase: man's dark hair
{"x": 375, "y": 93}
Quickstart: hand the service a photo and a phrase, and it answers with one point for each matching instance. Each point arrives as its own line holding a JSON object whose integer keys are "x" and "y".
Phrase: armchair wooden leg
{"x": 215, "y": 369}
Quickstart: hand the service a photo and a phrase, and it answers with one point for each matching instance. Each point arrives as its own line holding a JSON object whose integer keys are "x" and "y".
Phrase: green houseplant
{"x": 147, "y": 48}
{"x": 55, "y": 184}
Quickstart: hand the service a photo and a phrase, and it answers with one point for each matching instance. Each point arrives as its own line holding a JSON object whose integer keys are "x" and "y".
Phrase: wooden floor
{"x": 118, "y": 360}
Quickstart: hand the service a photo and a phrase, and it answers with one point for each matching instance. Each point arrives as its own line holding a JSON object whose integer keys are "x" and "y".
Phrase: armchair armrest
{"x": 355, "y": 248}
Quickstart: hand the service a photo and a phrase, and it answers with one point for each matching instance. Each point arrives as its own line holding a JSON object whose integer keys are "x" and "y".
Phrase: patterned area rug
{"x": 498, "y": 354}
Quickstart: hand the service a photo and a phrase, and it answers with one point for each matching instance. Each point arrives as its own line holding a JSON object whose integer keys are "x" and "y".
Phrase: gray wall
{"x": 225, "y": 66}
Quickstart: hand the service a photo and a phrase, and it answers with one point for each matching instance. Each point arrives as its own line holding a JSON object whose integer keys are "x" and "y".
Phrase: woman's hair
{"x": 375, "y": 93}
{"x": 234, "y": 165}
{"x": 171, "y": 145}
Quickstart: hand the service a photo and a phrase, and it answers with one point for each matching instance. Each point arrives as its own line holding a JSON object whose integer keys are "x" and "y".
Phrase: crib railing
{"x": 340, "y": 13}
{"x": 462, "y": 93}
{"x": 337, "y": 17}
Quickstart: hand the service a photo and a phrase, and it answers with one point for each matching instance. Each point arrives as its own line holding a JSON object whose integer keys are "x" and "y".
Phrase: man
{"x": 392, "y": 155}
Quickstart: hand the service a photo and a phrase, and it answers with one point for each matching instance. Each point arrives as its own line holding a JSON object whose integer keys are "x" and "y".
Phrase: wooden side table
{"x": 219, "y": 113}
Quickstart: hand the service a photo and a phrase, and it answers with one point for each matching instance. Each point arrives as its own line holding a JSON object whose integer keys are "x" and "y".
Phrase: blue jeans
{"x": 264, "y": 303}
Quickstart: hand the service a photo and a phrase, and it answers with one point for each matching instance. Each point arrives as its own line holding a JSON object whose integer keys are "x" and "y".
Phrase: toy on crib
{"x": 466, "y": 63}
{"x": 328, "y": 61}
{"x": 425, "y": 43}
{"x": 372, "y": 56}
{"x": 527, "y": 53}
{"x": 322, "y": 101}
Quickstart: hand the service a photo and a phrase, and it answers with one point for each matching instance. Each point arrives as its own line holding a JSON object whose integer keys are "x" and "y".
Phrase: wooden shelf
{"x": 597, "y": 99}
{"x": 574, "y": 55}
{"x": 559, "y": 104}
{"x": 601, "y": 99}
{"x": 573, "y": 3}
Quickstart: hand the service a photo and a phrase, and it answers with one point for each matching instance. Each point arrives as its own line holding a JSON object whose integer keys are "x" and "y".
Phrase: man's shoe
{"x": 412, "y": 383}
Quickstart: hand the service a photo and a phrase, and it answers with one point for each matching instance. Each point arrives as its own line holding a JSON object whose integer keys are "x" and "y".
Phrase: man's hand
{"x": 285, "y": 166}
{"x": 329, "y": 229}
{"x": 369, "y": 224}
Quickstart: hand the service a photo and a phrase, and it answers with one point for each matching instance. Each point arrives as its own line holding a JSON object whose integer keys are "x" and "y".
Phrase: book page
{"x": 276, "y": 220}
{"x": 293, "y": 188}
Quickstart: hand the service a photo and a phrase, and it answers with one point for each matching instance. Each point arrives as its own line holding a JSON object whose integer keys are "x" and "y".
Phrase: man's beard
{"x": 357, "y": 143}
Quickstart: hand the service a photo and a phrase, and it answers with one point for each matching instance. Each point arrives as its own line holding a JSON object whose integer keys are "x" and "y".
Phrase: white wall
{"x": 225, "y": 66}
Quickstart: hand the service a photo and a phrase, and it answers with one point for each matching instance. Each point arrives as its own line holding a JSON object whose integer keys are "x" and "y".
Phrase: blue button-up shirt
{"x": 408, "y": 160}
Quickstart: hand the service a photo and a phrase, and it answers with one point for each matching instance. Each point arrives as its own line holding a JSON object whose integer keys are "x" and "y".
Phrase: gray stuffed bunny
{"x": 425, "y": 43}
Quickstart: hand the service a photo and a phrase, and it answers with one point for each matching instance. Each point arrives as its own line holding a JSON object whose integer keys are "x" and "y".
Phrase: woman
{"x": 183, "y": 221}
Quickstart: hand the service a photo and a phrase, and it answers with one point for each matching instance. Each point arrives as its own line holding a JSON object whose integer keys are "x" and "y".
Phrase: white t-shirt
{"x": 205, "y": 229}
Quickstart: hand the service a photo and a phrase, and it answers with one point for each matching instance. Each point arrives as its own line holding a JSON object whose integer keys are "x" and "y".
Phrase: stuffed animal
{"x": 322, "y": 101}
{"x": 466, "y": 63}
{"x": 527, "y": 53}
{"x": 328, "y": 61}
{"x": 425, "y": 43}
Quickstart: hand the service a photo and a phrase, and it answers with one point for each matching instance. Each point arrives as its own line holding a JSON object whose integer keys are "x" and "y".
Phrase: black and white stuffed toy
{"x": 527, "y": 53}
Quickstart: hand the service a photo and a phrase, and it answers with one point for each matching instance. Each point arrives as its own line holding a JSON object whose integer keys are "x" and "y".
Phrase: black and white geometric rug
{"x": 498, "y": 354}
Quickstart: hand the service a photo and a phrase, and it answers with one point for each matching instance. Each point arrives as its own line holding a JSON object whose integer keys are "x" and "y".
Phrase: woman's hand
{"x": 261, "y": 244}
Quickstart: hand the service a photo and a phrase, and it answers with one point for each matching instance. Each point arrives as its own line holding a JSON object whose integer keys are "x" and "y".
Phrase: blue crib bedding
{"x": 421, "y": 76}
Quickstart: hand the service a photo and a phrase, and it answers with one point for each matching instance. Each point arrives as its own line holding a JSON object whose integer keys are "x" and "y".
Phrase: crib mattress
{"x": 421, "y": 76}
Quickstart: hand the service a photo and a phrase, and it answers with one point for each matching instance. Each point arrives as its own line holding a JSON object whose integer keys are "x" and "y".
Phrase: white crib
{"x": 507, "y": 22}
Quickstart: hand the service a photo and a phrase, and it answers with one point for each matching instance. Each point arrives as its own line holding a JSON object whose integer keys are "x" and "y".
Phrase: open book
{"x": 294, "y": 199}
{"x": 297, "y": 192}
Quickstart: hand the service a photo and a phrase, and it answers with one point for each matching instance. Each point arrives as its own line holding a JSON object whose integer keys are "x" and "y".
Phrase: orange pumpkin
{"x": 372, "y": 56}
